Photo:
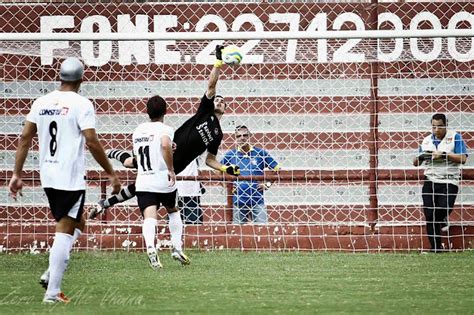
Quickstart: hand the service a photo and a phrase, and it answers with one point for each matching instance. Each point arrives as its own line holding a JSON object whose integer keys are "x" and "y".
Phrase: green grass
{"x": 246, "y": 283}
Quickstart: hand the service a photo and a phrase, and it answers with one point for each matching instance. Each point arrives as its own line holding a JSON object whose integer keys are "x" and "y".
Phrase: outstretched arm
{"x": 212, "y": 162}
{"x": 214, "y": 77}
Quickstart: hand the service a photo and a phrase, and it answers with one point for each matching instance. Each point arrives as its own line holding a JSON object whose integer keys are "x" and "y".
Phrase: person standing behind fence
{"x": 64, "y": 122}
{"x": 189, "y": 195}
{"x": 441, "y": 154}
{"x": 248, "y": 195}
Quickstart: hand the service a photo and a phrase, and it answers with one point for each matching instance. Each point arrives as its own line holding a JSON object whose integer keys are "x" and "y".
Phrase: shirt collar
{"x": 433, "y": 137}
{"x": 239, "y": 149}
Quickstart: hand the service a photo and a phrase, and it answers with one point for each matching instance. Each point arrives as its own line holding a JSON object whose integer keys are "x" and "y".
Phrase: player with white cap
{"x": 65, "y": 123}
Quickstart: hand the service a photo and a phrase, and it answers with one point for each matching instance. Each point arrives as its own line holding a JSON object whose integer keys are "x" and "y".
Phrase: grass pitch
{"x": 246, "y": 283}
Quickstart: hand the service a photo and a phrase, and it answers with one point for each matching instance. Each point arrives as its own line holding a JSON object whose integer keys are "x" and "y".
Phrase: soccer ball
{"x": 231, "y": 55}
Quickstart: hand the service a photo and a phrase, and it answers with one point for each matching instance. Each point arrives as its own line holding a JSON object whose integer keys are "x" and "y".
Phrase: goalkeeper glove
{"x": 231, "y": 169}
{"x": 219, "y": 61}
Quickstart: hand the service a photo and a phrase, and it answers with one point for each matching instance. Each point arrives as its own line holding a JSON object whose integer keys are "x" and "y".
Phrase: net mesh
{"x": 343, "y": 118}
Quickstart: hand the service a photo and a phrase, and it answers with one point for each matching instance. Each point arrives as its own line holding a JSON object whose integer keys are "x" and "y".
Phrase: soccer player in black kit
{"x": 200, "y": 132}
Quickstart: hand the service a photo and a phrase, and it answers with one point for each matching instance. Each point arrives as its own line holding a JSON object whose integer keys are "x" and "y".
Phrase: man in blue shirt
{"x": 248, "y": 195}
{"x": 441, "y": 154}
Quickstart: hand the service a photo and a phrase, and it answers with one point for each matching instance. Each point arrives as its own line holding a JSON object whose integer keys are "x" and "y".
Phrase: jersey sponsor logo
{"x": 144, "y": 139}
{"x": 205, "y": 133}
{"x": 54, "y": 112}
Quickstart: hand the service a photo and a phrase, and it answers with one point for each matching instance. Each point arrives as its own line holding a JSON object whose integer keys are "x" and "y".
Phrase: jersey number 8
{"x": 53, "y": 132}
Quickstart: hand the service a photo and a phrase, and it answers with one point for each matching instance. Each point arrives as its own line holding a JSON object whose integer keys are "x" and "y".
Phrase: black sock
{"x": 119, "y": 155}
{"x": 123, "y": 195}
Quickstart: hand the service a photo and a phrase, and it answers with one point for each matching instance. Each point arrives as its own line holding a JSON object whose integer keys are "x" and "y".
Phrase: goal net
{"x": 343, "y": 117}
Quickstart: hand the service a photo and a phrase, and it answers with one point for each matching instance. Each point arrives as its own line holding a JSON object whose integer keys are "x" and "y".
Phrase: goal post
{"x": 341, "y": 107}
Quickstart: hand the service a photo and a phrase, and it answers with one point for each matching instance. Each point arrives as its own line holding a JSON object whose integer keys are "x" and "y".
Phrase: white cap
{"x": 72, "y": 69}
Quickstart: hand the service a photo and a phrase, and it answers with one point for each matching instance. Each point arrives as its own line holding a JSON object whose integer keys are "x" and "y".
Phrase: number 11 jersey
{"x": 60, "y": 118}
{"x": 152, "y": 170}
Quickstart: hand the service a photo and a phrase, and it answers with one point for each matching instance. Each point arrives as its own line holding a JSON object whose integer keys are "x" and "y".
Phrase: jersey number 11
{"x": 144, "y": 153}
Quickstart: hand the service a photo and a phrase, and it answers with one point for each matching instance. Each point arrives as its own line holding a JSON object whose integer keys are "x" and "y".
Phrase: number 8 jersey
{"x": 152, "y": 170}
{"x": 60, "y": 118}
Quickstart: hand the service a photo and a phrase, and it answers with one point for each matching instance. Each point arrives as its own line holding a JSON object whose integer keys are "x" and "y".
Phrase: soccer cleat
{"x": 180, "y": 256}
{"x": 59, "y": 298}
{"x": 44, "y": 279}
{"x": 154, "y": 260}
{"x": 99, "y": 208}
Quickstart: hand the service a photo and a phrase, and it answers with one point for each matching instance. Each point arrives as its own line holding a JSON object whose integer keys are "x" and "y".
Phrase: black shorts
{"x": 146, "y": 199}
{"x": 66, "y": 203}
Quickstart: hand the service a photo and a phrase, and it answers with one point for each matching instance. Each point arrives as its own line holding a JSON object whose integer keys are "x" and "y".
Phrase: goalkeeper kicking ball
{"x": 231, "y": 55}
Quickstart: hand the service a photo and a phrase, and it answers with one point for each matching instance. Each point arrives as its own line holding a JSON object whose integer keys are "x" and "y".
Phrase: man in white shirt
{"x": 441, "y": 155}
{"x": 64, "y": 122}
{"x": 156, "y": 180}
{"x": 189, "y": 195}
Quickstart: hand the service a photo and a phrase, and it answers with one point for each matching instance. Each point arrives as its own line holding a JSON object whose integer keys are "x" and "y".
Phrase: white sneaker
{"x": 154, "y": 260}
{"x": 44, "y": 279}
{"x": 59, "y": 298}
{"x": 180, "y": 256}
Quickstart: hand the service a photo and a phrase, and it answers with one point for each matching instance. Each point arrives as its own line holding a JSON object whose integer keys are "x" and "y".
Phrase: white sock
{"x": 58, "y": 260}
{"x": 77, "y": 234}
{"x": 149, "y": 232}
{"x": 176, "y": 230}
